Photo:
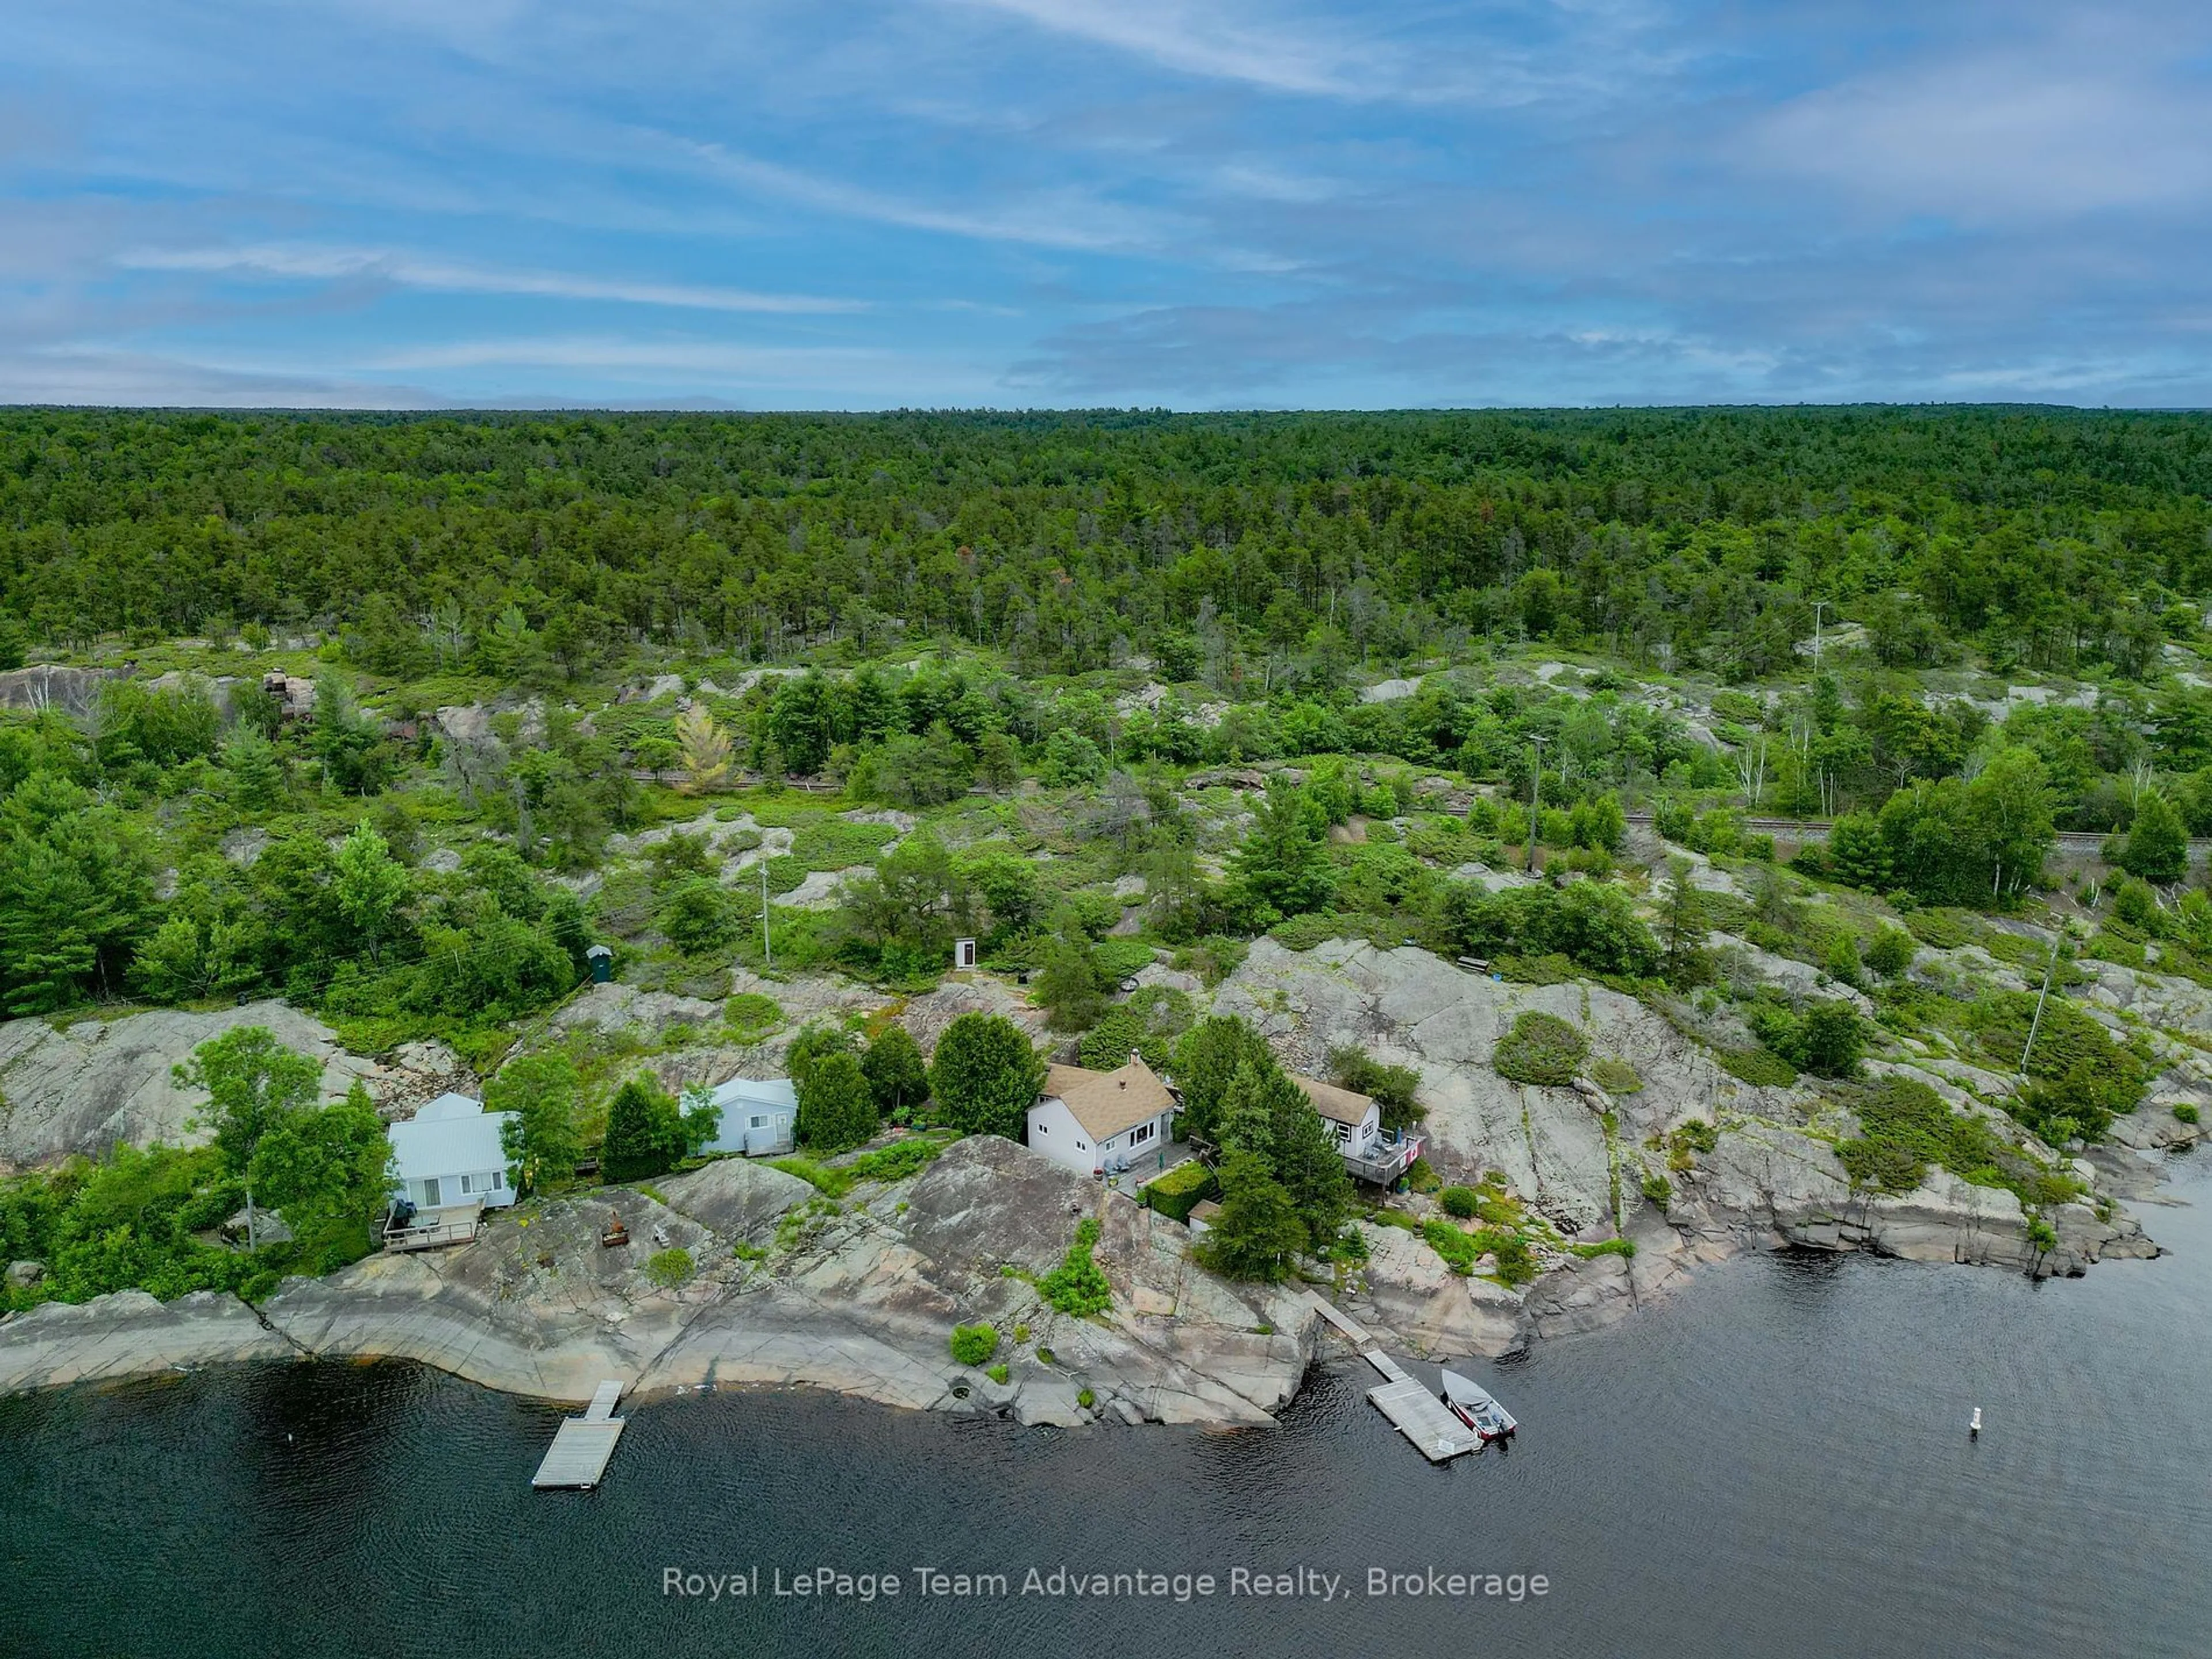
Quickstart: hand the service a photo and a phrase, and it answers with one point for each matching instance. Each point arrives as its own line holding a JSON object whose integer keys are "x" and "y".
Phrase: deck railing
{"x": 430, "y": 1236}
{"x": 1391, "y": 1156}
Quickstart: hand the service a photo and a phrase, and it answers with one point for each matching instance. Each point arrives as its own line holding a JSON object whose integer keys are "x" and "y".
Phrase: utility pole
{"x": 1535, "y": 802}
{"x": 2034, "y": 1025}
{"x": 767, "y": 950}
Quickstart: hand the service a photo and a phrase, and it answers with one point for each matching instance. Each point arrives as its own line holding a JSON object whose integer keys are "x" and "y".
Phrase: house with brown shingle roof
{"x": 1095, "y": 1122}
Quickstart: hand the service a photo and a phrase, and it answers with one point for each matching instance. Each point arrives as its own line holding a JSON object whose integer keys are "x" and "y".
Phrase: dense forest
{"x": 2049, "y": 538}
{"x": 398, "y": 717}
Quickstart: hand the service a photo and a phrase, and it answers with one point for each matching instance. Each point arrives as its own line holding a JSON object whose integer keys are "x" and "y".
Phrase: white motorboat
{"x": 1476, "y": 1407}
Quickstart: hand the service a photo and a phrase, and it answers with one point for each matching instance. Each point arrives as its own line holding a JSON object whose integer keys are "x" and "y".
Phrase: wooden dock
{"x": 580, "y": 1452}
{"x": 1405, "y": 1400}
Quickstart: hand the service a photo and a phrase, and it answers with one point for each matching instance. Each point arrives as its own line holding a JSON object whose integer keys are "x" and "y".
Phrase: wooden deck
{"x": 580, "y": 1451}
{"x": 433, "y": 1237}
{"x": 1405, "y": 1400}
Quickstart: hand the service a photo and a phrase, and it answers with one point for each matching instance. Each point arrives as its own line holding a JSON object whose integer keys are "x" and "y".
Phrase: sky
{"x": 1027, "y": 204}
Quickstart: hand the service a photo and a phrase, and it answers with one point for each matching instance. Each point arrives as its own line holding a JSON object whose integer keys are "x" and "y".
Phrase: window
{"x": 1042, "y": 1128}
{"x": 466, "y": 1187}
{"x": 1142, "y": 1133}
{"x": 498, "y": 1180}
{"x": 760, "y": 1123}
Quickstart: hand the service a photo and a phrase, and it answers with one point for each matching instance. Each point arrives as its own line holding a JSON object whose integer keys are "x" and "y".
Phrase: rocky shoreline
{"x": 858, "y": 1295}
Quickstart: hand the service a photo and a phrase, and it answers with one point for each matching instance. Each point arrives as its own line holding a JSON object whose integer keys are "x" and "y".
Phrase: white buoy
{"x": 1974, "y": 1428}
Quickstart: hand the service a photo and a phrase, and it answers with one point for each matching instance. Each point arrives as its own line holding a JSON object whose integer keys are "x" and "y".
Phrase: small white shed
{"x": 449, "y": 1157}
{"x": 758, "y": 1116}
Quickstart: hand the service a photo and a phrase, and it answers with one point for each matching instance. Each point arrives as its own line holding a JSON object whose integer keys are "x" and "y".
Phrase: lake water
{"x": 1774, "y": 1462}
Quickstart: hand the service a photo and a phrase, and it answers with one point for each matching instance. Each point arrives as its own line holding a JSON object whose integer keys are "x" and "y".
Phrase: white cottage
{"x": 1094, "y": 1121}
{"x": 758, "y": 1115}
{"x": 1356, "y": 1121}
{"x": 449, "y": 1158}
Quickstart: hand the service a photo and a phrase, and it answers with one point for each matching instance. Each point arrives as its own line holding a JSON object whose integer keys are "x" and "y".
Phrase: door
{"x": 432, "y": 1197}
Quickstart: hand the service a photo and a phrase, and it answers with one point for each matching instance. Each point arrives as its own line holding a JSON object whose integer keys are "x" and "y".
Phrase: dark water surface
{"x": 1776, "y": 1461}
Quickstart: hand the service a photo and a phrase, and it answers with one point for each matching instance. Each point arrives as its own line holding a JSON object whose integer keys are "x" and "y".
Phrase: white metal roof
{"x": 451, "y": 1135}
{"x": 754, "y": 1092}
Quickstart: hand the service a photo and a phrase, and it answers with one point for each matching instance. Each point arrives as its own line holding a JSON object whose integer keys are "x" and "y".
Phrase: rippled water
{"x": 1775, "y": 1462}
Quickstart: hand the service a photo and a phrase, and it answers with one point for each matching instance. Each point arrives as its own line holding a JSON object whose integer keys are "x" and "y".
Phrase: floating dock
{"x": 1413, "y": 1410}
{"x": 580, "y": 1452}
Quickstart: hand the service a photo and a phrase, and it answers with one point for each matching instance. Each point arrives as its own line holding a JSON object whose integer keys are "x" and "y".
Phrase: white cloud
{"x": 867, "y": 370}
{"x": 1072, "y": 219}
{"x": 2018, "y": 134}
{"x": 314, "y": 263}
{"x": 1207, "y": 39}
{"x": 92, "y": 375}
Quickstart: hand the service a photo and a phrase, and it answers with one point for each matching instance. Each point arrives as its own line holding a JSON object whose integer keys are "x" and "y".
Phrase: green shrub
{"x": 669, "y": 1268}
{"x": 1117, "y": 959}
{"x": 1458, "y": 1248}
{"x": 897, "y": 1161}
{"x": 1541, "y": 1049}
{"x": 2042, "y": 1234}
{"x": 2079, "y": 1078}
{"x": 835, "y": 844}
{"x": 1620, "y": 1247}
{"x": 1943, "y": 929}
{"x": 1421, "y": 1176}
{"x": 1084, "y": 1398}
{"x": 999, "y": 1374}
{"x": 1657, "y": 1187}
{"x": 1180, "y": 1191}
{"x": 751, "y": 1016}
{"x": 1615, "y": 1077}
{"x": 974, "y": 1345}
{"x": 1891, "y": 951}
{"x": 1552, "y": 969}
{"x": 1515, "y": 1265}
{"x": 2185, "y": 1111}
{"x": 1460, "y": 1201}
{"x": 1904, "y": 1127}
{"x": 1760, "y": 1067}
{"x": 1077, "y": 1286}
{"x": 1695, "y": 1136}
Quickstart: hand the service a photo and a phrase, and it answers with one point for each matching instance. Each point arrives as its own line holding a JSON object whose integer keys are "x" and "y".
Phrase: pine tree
{"x": 1258, "y": 1234}
{"x": 836, "y": 1108}
{"x": 645, "y": 1133}
{"x": 2157, "y": 847}
{"x": 894, "y": 1069}
{"x": 986, "y": 1076}
{"x": 542, "y": 1142}
{"x": 705, "y": 748}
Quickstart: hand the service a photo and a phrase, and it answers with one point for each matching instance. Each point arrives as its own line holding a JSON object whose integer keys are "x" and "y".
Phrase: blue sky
{"x": 1199, "y": 203}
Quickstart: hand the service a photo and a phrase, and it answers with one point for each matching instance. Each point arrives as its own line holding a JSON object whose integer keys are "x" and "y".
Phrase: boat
{"x": 1477, "y": 1408}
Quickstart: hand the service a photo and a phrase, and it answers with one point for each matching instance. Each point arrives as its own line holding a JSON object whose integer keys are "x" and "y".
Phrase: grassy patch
{"x": 1542, "y": 1050}
{"x": 1760, "y": 1067}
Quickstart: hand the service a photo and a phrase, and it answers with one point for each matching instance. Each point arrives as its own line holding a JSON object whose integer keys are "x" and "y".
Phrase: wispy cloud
{"x": 1210, "y": 40}
{"x": 1200, "y": 202}
{"x": 314, "y": 263}
{"x": 1070, "y": 218}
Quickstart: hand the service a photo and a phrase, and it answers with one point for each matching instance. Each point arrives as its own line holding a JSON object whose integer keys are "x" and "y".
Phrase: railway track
{"x": 1802, "y": 830}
